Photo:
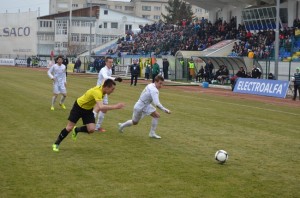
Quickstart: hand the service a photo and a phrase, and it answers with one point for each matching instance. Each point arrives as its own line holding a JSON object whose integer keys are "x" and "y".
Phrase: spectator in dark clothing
{"x": 256, "y": 73}
{"x": 66, "y": 62}
{"x": 28, "y": 61}
{"x": 97, "y": 64}
{"x": 209, "y": 70}
{"x": 135, "y": 72}
{"x": 200, "y": 74}
{"x": 296, "y": 83}
{"x": 166, "y": 68}
{"x": 78, "y": 65}
{"x": 240, "y": 74}
{"x": 271, "y": 76}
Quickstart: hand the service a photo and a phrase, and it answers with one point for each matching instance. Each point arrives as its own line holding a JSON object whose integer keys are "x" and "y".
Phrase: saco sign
{"x": 18, "y": 33}
{"x": 15, "y": 31}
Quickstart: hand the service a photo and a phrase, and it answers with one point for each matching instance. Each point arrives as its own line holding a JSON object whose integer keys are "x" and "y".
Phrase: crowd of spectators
{"x": 166, "y": 39}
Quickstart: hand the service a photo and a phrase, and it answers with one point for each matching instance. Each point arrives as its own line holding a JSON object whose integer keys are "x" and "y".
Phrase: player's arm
{"x": 103, "y": 107}
{"x": 50, "y": 71}
{"x": 156, "y": 102}
{"x": 105, "y": 76}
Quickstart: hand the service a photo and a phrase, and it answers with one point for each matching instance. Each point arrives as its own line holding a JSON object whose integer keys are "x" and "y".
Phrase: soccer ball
{"x": 221, "y": 156}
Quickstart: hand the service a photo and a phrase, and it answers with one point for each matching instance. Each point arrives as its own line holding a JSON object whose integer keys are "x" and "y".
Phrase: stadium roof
{"x": 213, "y": 4}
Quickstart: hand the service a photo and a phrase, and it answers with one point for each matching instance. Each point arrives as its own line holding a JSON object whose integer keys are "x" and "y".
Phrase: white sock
{"x": 100, "y": 119}
{"x": 53, "y": 100}
{"x": 62, "y": 99}
{"x": 153, "y": 125}
{"x": 95, "y": 114}
{"x": 128, "y": 123}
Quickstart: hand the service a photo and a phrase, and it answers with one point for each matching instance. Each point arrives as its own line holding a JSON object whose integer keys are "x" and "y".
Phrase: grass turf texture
{"x": 262, "y": 141}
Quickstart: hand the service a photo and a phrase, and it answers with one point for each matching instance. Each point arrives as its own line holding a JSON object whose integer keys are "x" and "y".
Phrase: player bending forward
{"x": 83, "y": 108}
{"x": 144, "y": 107}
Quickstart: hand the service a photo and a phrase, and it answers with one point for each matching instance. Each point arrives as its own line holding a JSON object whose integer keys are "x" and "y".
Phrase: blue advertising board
{"x": 273, "y": 88}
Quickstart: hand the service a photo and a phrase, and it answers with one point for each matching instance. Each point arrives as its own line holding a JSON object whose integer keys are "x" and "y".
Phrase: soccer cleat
{"x": 62, "y": 106}
{"x": 55, "y": 147}
{"x": 153, "y": 135}
{"x": 101, "y": 130}
{"x": 121, "y": 130}
{"x": 74, "y": 134}
{"x": 52, "y": 108}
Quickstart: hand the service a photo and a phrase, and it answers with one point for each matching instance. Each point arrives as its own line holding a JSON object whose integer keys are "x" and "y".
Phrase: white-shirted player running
{"x": 57, "y": 73}
{"x": 105, "y": 73}
{"x": 144, "y": 107}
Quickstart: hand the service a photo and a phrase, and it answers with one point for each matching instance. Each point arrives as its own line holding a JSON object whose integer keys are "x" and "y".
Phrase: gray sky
{"x": 13, "y": 6}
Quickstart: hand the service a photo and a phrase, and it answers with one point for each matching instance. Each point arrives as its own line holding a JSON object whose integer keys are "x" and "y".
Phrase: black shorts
{"x": 77, "y": 112}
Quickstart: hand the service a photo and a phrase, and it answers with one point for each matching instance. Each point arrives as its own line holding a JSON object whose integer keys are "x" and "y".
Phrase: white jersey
{"x": 105, "y": 73}
{"x": 149, "y": 95}
{"x": 58, "y": 73}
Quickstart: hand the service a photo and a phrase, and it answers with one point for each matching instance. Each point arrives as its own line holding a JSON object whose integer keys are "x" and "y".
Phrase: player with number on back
{"x": 143, "y": 107}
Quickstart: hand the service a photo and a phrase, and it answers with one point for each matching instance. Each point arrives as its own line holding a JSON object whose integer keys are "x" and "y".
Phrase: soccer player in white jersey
{"x": 105, "y": 73}
{"x": 57, "y": 73}
{"x": 144, "y": 107}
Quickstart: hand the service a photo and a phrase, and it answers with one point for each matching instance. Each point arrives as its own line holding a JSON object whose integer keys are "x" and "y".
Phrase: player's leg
{"x": 155, "y": 116}
{"x": 101, "y": 116}
{"x": 137, "y": 115}
{"x": 63, "y": 91}
{"x": 55, "y": 94}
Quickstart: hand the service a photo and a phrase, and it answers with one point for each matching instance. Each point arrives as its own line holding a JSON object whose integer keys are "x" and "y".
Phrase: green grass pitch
{"x": 262, "y": 141}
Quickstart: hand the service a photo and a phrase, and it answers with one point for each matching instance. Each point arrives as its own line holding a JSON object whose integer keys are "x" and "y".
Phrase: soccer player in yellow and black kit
{"x": 83, "y": 108}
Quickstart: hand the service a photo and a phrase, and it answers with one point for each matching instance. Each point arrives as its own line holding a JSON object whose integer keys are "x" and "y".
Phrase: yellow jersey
{"x": 90, "y": 97}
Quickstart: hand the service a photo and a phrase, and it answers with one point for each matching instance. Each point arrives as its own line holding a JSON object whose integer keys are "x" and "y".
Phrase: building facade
{"x": 72, "y": 33}
{"x": 149, "y": 9}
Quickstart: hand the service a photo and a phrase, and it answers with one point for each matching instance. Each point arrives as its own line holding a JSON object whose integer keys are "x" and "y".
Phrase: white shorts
{"x": 59, "y": 88}
{"x": 139, "y": 113}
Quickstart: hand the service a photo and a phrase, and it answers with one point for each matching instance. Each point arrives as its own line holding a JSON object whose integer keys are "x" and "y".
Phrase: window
{"x": 118, "y": 7}
{"x": 74, "y": 5}
{"x": 146, "y": 16}
{"x": 129, "y": 8}
{"x": 46, "y": 24}
{"x": 198, "y": 10}
{"x": 76, "y": 23}
{"x": 105, "y": 25}
{"x": 57, "y": 44}
{"x": 146, "y": 8}
{"x": 75, "y": 38}
{"x": 85, "y": 38}
{"x": 105, "y": 12}
{"x": 65, "y": 44}
{"x": 156, "y": 8}
{"x": 61, "y": 27}
{"x": 156, "y": 17}
{"x": 128, "y": 27}
{"x": 114, "y": 25}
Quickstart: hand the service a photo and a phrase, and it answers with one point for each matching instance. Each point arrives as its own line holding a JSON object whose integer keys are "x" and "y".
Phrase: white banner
{"x": 6, "y": 61}
{"x": 18, "y": 33}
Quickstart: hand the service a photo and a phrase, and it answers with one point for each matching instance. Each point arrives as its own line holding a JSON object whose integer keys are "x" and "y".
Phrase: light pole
{"x": 90, "y": 46}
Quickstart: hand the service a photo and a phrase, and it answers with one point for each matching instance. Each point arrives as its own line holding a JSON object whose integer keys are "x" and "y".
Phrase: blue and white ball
{"x": 221, "y": 156}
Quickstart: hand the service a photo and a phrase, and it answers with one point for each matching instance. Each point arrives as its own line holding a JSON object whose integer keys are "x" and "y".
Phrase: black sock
{"x": 64, "y": 133}
{"x": 82, "y": 129}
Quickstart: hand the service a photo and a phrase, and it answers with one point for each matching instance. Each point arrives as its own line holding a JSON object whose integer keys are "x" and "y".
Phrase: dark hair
{"x": 108, "y": 57}
{"x": 159, "y": 78}
{"x": 109, "y": 83}
{"x": 59, "y": 57}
